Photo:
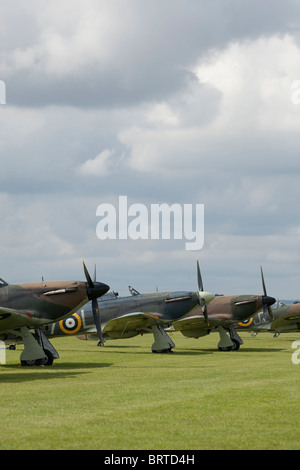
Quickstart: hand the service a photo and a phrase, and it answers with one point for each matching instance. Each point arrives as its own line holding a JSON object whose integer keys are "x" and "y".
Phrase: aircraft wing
{"x": 287, "y": 321}
{"x": 197, "y": 324}
{"x": 195, "y": 321}
{"x": 130, "y": 323}
{"x": 11, "y": 319}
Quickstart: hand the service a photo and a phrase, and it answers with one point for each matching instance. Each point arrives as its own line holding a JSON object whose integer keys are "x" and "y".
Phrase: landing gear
{"x": 38, "y": 351}
{"x": 163, "y": 351}
{"x": 48, "y": 361}
{"x": 231, "y": 342}
{"x": 162, "y": 342}
{"x": 235, "y": 346}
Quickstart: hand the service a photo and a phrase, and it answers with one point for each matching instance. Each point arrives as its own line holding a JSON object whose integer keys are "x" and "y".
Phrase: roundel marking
{"x": 70, "y": 325}
{"x": 246, "y": 322}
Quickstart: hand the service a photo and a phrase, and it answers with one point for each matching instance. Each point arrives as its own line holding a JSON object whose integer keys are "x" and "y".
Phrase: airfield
{"x": 123, "y": 397}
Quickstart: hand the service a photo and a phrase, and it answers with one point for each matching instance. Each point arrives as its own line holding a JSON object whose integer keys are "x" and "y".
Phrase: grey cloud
{"x": 145, "y": 57}
{"x": 69, "y": 99}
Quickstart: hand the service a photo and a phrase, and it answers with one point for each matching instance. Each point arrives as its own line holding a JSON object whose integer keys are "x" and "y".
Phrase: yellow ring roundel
{"x": 70, "y": 325}
{"x": 246, "y": 322}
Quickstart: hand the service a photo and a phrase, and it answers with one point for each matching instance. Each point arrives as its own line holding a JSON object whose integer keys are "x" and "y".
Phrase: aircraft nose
{"x": 268, "y": 300}
{"x": 98, "y": 289}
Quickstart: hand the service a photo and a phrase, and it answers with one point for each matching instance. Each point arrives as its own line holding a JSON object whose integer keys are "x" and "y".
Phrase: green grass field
{"x": 124, "y": 397}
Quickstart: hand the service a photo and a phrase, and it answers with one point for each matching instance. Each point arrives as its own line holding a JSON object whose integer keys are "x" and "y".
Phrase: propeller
{"x": 203, "y": 296}
{"x": 95, "y": 290}
{"x": 267, "y": 301}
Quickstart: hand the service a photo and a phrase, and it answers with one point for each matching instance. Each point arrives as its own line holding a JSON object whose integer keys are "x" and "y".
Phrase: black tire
{"x": 228, "y": 348}
{"x": 50, "y": 358}
{"x": 39, "y": 362}
{"x": 235, "y": 347}
{"x": 236, "y": 344}
{"x": 32, "y": 363}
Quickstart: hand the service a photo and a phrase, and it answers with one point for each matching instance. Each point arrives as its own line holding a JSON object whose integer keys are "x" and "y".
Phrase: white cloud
{"x": 197, "y": 109}
{"x": 71, "y": 35}
{"x": 253, "y": 79}
{"x": 99, "y": 166}
{"x": 161, "y": 114}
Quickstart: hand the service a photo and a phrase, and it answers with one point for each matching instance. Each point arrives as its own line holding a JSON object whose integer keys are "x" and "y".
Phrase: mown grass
{"x": 124, "y": 397}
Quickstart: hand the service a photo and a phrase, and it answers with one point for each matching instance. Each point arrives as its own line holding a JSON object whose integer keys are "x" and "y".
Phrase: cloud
{"x": 251, "y": 112}
{"x": 99, "y": 166}
{"x": 171, "y": 101}
{"x": 101, "y": 54}
{"x": 255, "y": 79}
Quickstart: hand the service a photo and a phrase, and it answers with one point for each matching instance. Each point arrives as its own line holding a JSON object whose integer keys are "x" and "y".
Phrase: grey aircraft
{"x": 125, "y": 317}
{"x": 195, "y": 314}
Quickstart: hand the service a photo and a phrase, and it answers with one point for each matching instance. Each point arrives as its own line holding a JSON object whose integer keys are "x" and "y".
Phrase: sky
{"x": 183, "y": 102}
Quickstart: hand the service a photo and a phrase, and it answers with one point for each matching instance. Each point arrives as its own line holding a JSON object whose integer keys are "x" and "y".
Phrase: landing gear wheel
{"x": 162, "y": 351}
{"x": 50, "y": 358}
{"x": 236, "y": 344}
{"x": 48, "y": 361}
{"x": 227, "y": 348}
{"x": 234, "y": 347}
{"x": 32, "y": 363}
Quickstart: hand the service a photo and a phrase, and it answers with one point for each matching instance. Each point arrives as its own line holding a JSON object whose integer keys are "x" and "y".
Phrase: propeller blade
{"x": 97, "y": 320}
{"x": 199, "y": 278}
{"x": 266, "y": 304}
{"x": 263, "y": 281}
{"x": 87, "y": 275}
{"x": 267, "y": 310}
{"x": 202, "y": 300}
{"x": 204, "y": 309}
{"x": 94, "y": 290}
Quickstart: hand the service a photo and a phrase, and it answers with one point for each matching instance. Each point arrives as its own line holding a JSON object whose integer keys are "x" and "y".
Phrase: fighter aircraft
{"x": 285, "y": 319}
{"x": 195, "y": 314}
{"x": 124, "y": 317}
{"x": 35, "y": 305}
{"x": 223, "y": 312}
